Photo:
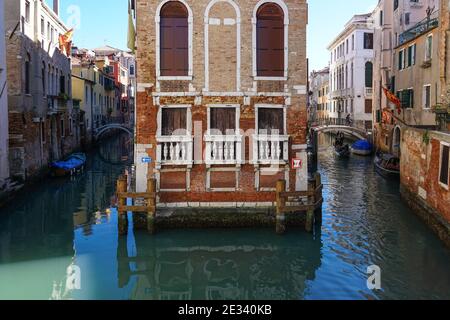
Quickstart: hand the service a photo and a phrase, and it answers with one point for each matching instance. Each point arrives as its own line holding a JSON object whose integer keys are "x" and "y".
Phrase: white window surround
{"x": 238, "y": 40}
{"x": 445, "y": 186}
{"x": 424, "y": 97}
{"x": 175, "y": 106}
{"x": 430, "y": 49}
{"x": 181, "y": 143}
{"x": 265, "y": 137}
{"x": 270, "y": 106}
{"x": 158, "y": 43}
{"x": 230, "y": 106}
{"x": 286, "y": 41}
{"x": 235, "y": 138}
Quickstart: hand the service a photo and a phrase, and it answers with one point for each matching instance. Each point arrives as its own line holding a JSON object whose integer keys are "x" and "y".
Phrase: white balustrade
{"x": 175, "y": 150}
{"x": 268, "y": 149}
{"x": 223, "y": 149}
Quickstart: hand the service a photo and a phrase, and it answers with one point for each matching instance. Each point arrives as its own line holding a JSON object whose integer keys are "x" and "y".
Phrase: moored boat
{"x": 387, "y": 165}
{"x": 362, "y": 148}
{"x": 70, "y": 166}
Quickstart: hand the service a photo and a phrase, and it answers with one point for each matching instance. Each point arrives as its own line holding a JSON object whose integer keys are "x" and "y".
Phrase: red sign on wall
{"x": 297, "y": 163}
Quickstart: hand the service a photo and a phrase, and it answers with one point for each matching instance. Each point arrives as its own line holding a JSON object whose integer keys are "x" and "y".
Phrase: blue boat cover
{"x": 72, "y": 162}
{"x": 362, "y": 145}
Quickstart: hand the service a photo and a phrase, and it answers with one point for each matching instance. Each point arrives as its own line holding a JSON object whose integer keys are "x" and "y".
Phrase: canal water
{"x": 58, "y": 240}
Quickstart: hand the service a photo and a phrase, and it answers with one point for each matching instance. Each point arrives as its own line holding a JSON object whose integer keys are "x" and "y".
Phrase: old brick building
{"x": 43, "y": 125}
{"x": 221, "y": 101}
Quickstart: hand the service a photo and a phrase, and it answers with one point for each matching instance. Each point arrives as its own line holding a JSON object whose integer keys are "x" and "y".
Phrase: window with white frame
{"x": 427, "y": 96}
{"x": 429, "y": 48}
{"x": 174, "y": 40}
{"x": 444, "y": 165}
{"x": 270, "y": 40}
{"x": 173, "y": 121}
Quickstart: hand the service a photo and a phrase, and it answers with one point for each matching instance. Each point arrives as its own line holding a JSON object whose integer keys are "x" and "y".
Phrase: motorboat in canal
{"x": 362, "y": 148}
{"x": 70, "y": 166}
{"x": 387, "y": 165}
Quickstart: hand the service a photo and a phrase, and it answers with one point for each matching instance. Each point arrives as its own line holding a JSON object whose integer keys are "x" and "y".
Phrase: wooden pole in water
{"x": 151, "y": 205}
{"x": 122, "y": 215}
{"x": 281, "y": 203}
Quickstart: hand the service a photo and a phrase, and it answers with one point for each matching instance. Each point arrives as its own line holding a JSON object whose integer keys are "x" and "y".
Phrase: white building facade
{"x": 4, "y": 166}
{"x": 351, "y": 73}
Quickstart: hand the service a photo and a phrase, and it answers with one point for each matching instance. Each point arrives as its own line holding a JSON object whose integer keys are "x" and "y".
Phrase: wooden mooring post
{"x": 281, "y": 203}
{"x": 121, "y": 203}
{"x": 151, "y": 206}
{"x": 147, "y": 206}
{"x": 305, "y": 202}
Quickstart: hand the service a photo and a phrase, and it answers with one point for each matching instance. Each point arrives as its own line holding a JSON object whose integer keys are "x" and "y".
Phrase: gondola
{"x": 387, "y": 166}
{"x": 74, "y": 164}
{"x": 342, "y": 150}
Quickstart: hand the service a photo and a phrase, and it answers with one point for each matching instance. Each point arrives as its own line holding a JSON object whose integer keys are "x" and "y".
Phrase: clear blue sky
{"x": 105, "y": 22}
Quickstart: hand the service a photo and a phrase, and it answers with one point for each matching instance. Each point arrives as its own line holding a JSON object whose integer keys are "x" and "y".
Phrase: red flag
{"x": 394, "y": 99}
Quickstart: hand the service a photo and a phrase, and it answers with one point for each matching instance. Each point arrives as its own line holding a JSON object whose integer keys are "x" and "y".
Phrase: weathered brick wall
{"x": 29, "y": 156}
{"x": 222, "y": 68}
{"x": 420, "y": 169}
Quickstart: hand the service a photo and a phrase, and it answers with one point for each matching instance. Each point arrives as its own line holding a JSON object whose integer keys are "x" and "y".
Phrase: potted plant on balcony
{"x": 63, "y": 96}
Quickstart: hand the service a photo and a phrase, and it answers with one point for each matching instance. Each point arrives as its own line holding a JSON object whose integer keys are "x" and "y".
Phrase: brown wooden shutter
{"x": 223, "y": 119}
{"x": 445, "y": 162}
{"x": 174, "y": 40}
{"x": 271, "y": 121}
{"x": 173, "y": 119}
{"x": 270, "y": 41}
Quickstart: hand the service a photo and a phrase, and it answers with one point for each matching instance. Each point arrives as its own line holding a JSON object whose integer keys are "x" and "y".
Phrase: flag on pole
{"x": 65, "y": 42}
{"x": 394, "y": 99}
{"x": 131, "y": 31}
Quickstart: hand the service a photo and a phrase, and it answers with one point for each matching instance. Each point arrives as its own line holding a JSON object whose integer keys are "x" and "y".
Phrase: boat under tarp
{"x": 73, "y": 164}
{"x": 362, "y": 148}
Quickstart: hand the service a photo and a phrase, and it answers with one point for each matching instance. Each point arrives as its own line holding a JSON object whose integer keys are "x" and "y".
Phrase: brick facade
{"x": 420, "y": 176}
{"x": 222, "y": 77}
{"x": 37, "y": 117}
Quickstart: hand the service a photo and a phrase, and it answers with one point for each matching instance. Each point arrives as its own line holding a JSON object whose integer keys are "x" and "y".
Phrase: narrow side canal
{"x": 65, "y": 223}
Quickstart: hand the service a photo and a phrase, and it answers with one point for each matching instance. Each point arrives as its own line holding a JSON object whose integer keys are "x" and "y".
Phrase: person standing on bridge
{"x": 348, "y": 120}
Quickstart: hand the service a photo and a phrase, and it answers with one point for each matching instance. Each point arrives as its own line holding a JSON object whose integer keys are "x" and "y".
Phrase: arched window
{"x": 131, "y": 70}
{"x": 174, "y": 39}
{"x": 270, "y": 41}
{"x": 369, "y": 74}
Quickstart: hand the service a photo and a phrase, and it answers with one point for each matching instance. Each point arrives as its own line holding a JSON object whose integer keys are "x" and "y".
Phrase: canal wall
{"x": 425, "y": 178}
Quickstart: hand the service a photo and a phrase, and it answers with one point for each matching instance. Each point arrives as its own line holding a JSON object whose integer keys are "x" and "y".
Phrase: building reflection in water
{"x": 241, "y": 267}
{"x": 37, "y": 228}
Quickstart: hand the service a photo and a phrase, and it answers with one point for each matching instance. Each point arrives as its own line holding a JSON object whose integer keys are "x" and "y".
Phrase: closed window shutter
{"x": 222, "y": 120}
{"x": 174, "y": 40}
{"x": 174, "y": 121}
{"x": 443, "y": 178}
{"x": 271, "y": 121}
{"x": 270, "y": 41}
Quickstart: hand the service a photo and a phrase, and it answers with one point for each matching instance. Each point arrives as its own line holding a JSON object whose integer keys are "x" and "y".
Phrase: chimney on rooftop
{"x": 56, "y": 7}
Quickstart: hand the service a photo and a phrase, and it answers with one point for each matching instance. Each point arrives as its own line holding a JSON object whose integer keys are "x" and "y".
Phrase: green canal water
{"x": 61, "y": 224}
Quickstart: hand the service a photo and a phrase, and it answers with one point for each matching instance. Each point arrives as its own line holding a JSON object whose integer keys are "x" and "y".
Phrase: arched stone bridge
{"x": 112, "y": 126}
{"x": 356, "y": 132}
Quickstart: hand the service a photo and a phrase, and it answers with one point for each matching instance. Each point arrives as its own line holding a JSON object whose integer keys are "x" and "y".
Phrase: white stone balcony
{"x": 270, "y": 149}
{"x": 175, "y": 150}
{"x": 223, "y": 149}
